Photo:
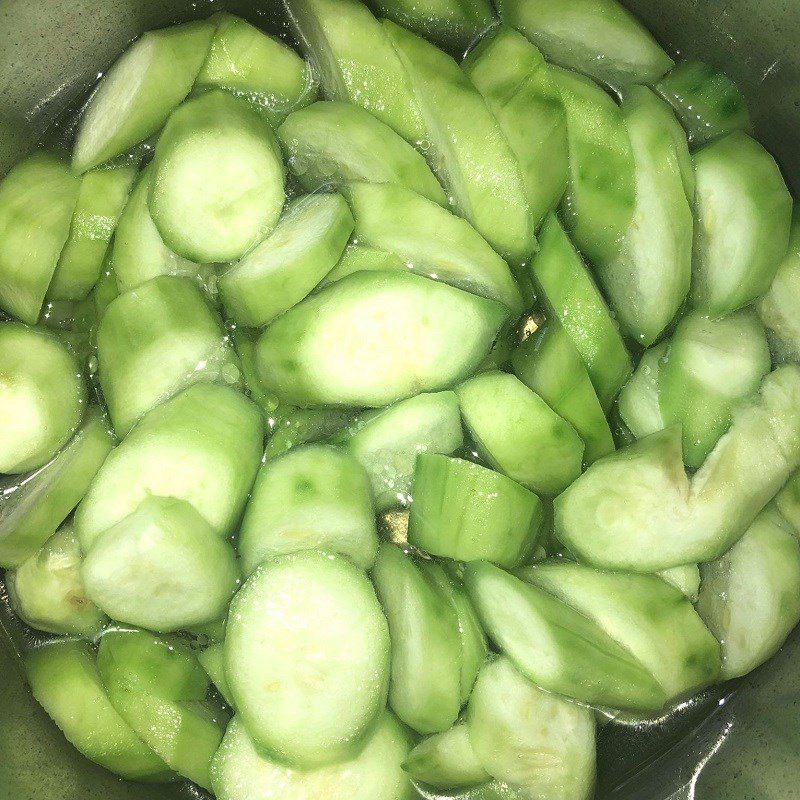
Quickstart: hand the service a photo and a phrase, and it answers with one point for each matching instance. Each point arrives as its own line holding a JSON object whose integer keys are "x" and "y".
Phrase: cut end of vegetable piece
{"x": 639, "y": 402}
{"x": 135, "y": 97}
{"x": 218, "y": 179}
{"x": 376, "y": 337}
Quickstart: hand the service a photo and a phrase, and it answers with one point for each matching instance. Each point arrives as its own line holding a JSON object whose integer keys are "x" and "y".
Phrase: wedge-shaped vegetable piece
{"x": 263, "y": 70}
{"x": 203, "y": 446}
{"x": 37, "y": 199}
{"x": 239, "y": 771}
{"x": 244, "y": 342}
{"x": 669, "y": 520}
{"x": 464, "y": 511}
{"x": 639, "y": 401}
{"x": 135, "y": 97}
{"x": 387, "y": 442}
{"x": 159, "y": 688}
{"x": 334, "y": 143}
{"x": 711, "y": 366}
{"x": 787, "y": 502}
{"x": 530, "y": 739}
{"x": 571, "y": 296}
{"x": 356, "y": 62}
{"x": 313, "y": 497}
{"x": 293, "y": 427}
{"x": 648, "y": 280}
{"x": 47, "y": 592}
{"x": 779, "y": 308}
{"x": 651, "y": 619}
{"x": 42, "y": 397}
{"x": 425, "y": 687}
{"x": 601, "y": 193}
{"x": 163, "y": 568}
{"x": 156, "y": 340}
{"x": 519, "y": 434}
{"x": 515, "y": 81}
{"x": 218, "y": 182}
{"x": 64, "y": 679}
{"x": 34, "y": 506}
{"x": 685, "y": 578}
{"x": 742, "y": 221}
{"x": 600, "y": 38}
{"x": 446, "y": 761}
{"x": 283, "y": 269}
{"x": 431, "y": 241}
{"x": 212, "y": 660}
{"x": 557, "y": 647}
{"x": 102, "y": 196}
{"x": 138, "y": 251}
{"x": 307, "y": 657}
{"x": 361, "y": 258}
{"x": 549, "y": 364}
{"x": 467, "y": 148}
{"x": 376, "y": 337}
{"x": 707, "y": 101}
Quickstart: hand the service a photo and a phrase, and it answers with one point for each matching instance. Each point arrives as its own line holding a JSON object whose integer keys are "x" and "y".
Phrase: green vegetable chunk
{"x": 446, "y": 761}
{"x": 639, "y": 401}
{"x": 212, "y": 660}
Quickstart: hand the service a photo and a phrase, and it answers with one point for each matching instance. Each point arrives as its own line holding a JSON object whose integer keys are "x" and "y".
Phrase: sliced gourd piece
{"x": 515, "y": 82}
{"x": 639, "y": 401}
{"x": 601, "y": 193}
{"x": 37, "y": 199}
{"x": 163, "y": 568}
{"x": 307, "y": 658}
{"x": 446, "y": 761}
{"x": 313, "y": 497}
{"x": 572, "y": 297}
{"x": 244, "y": 342}
{"x": 202, "y": 446}
{"x": 555, "y": 646}
{"x": 467, "y": 148}
{"x": 647, "y": 282}
{"x": 284, "y": 268}
{"x": 707, "y": 101}
{"x": 356, "y": 62}
{"x": 387, "y": 442}
{"x": 218, "y": 180}
{"x": 332, "y": 143}
{"x": 153, "y": 342}
{"x": 531, "y": 739}
{"x": 293, "y": 427}
{"x": 138, "y": 251}
{"x": 102, "y": 196}
{"x": 240, "y": 771}
{"x": 212, "y": 660}
{"x": 42, "y": 397}
{"x": 34, "y": 506}
{"x": 711, "y": 366}
{"x": 669, "y": 520}
{"x": 376, "y": 337}
{"x": 46, "y": 591}
{"x": 519, "y": 434}
{"x": 159, "y": 688}
{"x": 787, "y": 502}
{"x": 750, "y": 597}
{"x": 64, "y": 679}
{"x": 742, "y": 221}
{"x": 466, "y": 512}
{"x": 652, "y": 620}
{"x": 600, "y": 38}
{"x": 779, "y": 308}
{"x": 425, "y": 687}
{"x": 135, "y": 96}
{"x": 685, "y": 578}
{"x": 431, "y": 241}
{"x": 549, "y": 364}
{"x": 361, "y": 258}
{"x": 263, "y": 70}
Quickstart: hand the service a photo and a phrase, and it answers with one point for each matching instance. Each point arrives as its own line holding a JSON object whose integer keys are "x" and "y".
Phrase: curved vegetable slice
{"x": 639, "y": 401}
{"x": 360, "y": 258}
{"x": 787, "y": 502}
{"x": 600, "y": 38}
{"x": 335, "y": 143}
{"x": 294, "y": 427}
{"x": 742, "y": 221}
{"x": 135, "y": 96}
{"x": 376, "y": 337}
{"x": 37, "y": 199}
{"x": 685, "y": 579}
{"x": 212, "y": 660}
{"x": 531, "y": 739}
{"x": 307, "y": 657}
{"x": 313, "y": 497}
{"x": 446, "y": 761}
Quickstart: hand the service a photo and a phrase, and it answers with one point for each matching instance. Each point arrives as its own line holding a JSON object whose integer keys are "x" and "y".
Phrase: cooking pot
{"x": 740, "y": 741}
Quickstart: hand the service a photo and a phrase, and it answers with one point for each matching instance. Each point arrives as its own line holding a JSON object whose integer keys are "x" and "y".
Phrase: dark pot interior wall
{"x": 52, "y": 50}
